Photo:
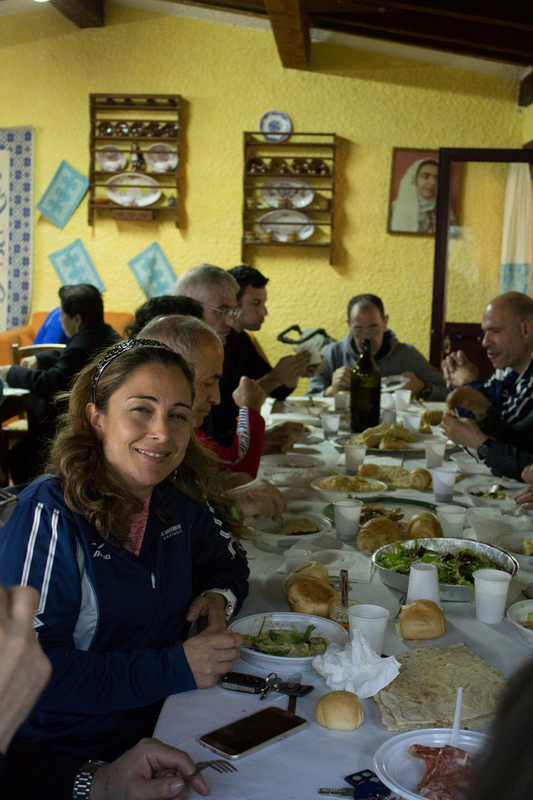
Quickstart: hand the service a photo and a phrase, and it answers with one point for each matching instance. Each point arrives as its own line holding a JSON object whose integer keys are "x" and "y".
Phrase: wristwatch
{"x": 84, "y": 778}
{"x": 484, "y": 447}
{"x": 425, "y": 394}
{"x": 231, "y": 601}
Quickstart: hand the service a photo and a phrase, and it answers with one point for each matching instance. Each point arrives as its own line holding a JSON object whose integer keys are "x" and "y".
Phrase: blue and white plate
{"x": 298, "y": 192}
{"x": 291, "y": 222}
{"x": 273, "y": 121}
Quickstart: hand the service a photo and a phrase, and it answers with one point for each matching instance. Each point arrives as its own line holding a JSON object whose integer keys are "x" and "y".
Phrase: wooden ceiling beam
{"x": 83, "y": 13}
{"x": 291, "y": 31}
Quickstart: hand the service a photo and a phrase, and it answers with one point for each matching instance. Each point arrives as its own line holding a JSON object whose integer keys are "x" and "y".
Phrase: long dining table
{"x": 295, "y": 768}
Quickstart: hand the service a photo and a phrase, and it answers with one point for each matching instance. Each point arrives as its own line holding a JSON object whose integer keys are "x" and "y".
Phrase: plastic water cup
{"x": 411, "y": 420}
{"x": 295, "y": 557}
{"x": 330, "y": 424}
{"x": 388, "y": 416}
{"x": 402, "y": 398}
{"x": 435, "y": 452}
{"x": 423, "y": 583}
{"x": 347, "y": 516}
{"x": 452, "y": 519}
{"x": 342, "y": 401}
{"x": 371, "y": 621}
{"x": 354, "y": 455}
{"x": 443, "y": 483}
{"x": 491, "y": 587}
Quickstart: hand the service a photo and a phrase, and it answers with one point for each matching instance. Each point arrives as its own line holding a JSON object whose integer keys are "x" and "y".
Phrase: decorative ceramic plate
{"x": 161, "y": 158}
{"x": 273, "y": 121}
{"x": 298, "y": 192}
{"x": 111, "y": 158}
{"x": 292, "y": 222}
{"x": 133, "y": 190}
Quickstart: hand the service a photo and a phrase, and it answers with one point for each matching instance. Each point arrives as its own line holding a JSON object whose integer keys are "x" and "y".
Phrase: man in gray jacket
{"x": 367, "y": 320}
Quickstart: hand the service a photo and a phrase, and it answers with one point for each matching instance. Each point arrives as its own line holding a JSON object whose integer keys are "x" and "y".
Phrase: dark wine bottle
{"x": 365, "y": 391}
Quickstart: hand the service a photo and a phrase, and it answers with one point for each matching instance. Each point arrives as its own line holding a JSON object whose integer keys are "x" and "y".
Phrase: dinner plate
{"x": 291, "y": 222}
{"x": 268, "y": 530}
{"x": 402, "y": 772}
{"x": 332, "y": 495}
{"x": 408, "y": 506}
{"x": 111, "y": 158}
{"x": 340, "y": 441}
{"x": 518, "y": 613}
{"x": 132, "y": 189}
{"x": 273, "y": 121}
{"x": 298, "y": 192}
{"x": 510, "y": 489}
{"x": 161, "y": 158}
{"x": 290, "y": 461}
{"x": 471, "y": 467}
{"x": 307, "y": 405}
{"x": 511, "y": 542}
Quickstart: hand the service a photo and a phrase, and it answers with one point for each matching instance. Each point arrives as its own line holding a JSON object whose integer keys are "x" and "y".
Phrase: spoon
{"x": 457, "y": 718}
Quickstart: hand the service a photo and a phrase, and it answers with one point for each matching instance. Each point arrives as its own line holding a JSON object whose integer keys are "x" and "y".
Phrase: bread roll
{"x": 373, "y": 440}
{"x": 399, "y": 432}
{"x": 422, "y": 619}
{"x": 420, "y": 478}
{"x": 307, "y": 595}
{"x": 432, "y": 416}
{"x": 339, "y": 711}
{"x": 377, "y": 532}
{"x": 379, "y": 430}
{"x": 424, "y": 525}
{"x": 424, "y": 427}
{"x": 368, "y": 471}
{"x": 392, "y": 444}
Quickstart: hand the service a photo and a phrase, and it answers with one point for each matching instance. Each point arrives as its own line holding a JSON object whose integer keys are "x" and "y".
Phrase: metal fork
{"x": 218, "y": 764}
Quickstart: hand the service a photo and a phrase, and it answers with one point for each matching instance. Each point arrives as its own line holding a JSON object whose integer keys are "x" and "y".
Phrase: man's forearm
{"x": 269, "y": 382}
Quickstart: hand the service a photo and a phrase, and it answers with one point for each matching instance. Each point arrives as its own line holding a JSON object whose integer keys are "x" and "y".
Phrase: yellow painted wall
{"x": 228, "y": 77}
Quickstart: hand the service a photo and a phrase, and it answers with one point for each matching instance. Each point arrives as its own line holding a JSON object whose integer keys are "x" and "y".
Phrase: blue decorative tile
{"x": 153, "y": 271}
{"x": 63, "y": 195}
{"x": 73, "y": 265}
{"x": 15, "y": 284}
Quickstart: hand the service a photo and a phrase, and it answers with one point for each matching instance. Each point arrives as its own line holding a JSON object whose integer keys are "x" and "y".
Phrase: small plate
{"x": 298, "y": 192}
{"x": 268, "y": 530}
{"x": 273, "y": 121}
{"x": 332, "y": 496}
{"x": 517, "y": 613}
{"x": 133, "y": 189}
{"x": 511, "y": 488}
{"x": 291, "y": 222}
{"x": 111, "y": 158}
{"x": 409, "y": 507}
{"x": 290, "y": 461}
{"x": 161, "y": 158}
{"x": 512, "y": 543}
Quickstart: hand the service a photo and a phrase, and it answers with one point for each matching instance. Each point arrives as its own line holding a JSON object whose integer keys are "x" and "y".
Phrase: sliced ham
{"x": 447, "y": 771}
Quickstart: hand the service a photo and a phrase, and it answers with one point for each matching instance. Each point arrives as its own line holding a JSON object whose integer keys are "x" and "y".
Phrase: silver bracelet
{"x": 84, "y": 778}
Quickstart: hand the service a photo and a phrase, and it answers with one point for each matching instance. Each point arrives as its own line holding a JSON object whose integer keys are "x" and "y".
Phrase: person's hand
{"x": 463, "y": 431}
{"x": 290, "y": 368}
{"x": 279, "y": 437}
{"x": 457, "y": 369}
{"x": 149, "y": 771}
{"x": 4, "y": 371}
{"x": 414, "y": 384}
{"x": 210, "y": 656}
{"x": 30, "y": 362}
{"x": 469, "y": 398}
{"x": 340, "y": 381}
{"x": 258, "y": 499}
{"x": 24, "y": 668}
{"x": 212, "y": 606}
{"x": 249, "y": 394}
{"x": 313, "y": 369}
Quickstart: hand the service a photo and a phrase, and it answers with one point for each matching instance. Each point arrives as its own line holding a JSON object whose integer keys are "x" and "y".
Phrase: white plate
{"x": 132, "y": 189}
{"x": 340, "y": 441}
{"x": 290, "y": 461}
{"x": 512, "y": 543}
{"x": 273, "y": 121}
{"x": 111, "y": 158}
{"x": 335, "y": 634}
{"x": 471, "y": 467}
{"x": 402, "y": 772}
{"x": 161, "y": 158}
{"x": 298, "y": 192}
{"x": 293, "y": 222}
{"x": 267, "y": 530}
{"x": 332, "y": 496}
{"x": 511, "y": 488}
{"x": 517, "y": 613}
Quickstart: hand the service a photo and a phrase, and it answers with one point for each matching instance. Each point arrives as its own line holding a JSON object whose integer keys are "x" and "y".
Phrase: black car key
{"x": 241, "y": 682}
{"x": 367, "y": 784}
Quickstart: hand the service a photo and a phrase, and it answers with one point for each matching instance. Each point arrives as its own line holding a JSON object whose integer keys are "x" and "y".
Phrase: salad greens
{"x": 286, "y": 641}
{"x": 454, "y": 568}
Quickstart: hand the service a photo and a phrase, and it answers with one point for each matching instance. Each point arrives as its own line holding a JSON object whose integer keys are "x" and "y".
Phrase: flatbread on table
{"x": 424, "y": 693}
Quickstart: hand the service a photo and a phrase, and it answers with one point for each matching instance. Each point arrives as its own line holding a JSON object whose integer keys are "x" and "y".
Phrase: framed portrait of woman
{"x": 413, "y": 192}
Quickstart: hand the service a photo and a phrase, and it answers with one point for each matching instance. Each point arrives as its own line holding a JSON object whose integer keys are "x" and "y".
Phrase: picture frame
{"x": 413, "y": 192}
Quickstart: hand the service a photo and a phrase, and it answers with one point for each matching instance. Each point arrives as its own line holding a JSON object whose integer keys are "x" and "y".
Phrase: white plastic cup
{"x": 423, "y": 583}
{"x": 388, "y": 416}
{"x": 402, "y": 398}
{"x": 435, "y": 452}
{"x": 371, "y": 621}
{"x": 295, "y": 557}
{"x": 411, "y": 420}
{"x": 347, "y": 516}
{"x": 491, "y": 586}
{"x": 330, "y": 424}
{"x": 452, "y": 519}
{"x": 342, "y": 401}
{"x": 444, "y": 483}
{"x": 354, "y": 455}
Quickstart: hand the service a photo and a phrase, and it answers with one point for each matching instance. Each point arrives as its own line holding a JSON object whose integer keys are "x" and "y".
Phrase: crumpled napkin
{"x": 311, "y": 348}
{"x": 359, "y": 566}
{"x": 356, "y": 667}
{"x": 487, "y": 523}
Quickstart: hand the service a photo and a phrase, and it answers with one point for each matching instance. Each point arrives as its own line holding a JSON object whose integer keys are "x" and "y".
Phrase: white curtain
{"x": 515, "y": 262}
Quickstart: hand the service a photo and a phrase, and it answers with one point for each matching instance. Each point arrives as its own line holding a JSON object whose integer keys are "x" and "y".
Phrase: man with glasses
{"x": 367, "y": 320}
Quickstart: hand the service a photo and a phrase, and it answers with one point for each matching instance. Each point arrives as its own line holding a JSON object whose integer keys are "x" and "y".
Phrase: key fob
{"x": 367, "y": 784}
{"x": 241, "y": 682}
{"x": 292, "y": 689}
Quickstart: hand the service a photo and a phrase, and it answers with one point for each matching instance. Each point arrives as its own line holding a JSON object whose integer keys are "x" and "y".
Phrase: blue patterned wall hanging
{"x": 63, "y": 194}
{"x": 153, "y": 271}
{"x": 73, "y": 265}
{"x": 16, "y": 225}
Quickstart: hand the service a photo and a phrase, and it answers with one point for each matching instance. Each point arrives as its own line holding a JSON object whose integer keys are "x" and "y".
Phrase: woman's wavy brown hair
{"x": 77, "y": 452}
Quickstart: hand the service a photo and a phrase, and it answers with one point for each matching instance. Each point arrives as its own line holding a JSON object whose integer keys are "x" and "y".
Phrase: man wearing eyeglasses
{"x": 367, "y": 320}
{"x": 216, "y": 290}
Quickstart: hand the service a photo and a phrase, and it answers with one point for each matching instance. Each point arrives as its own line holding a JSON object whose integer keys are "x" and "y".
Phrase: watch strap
{"x": 84, "y": 778}
{"x": 231, "y": 601}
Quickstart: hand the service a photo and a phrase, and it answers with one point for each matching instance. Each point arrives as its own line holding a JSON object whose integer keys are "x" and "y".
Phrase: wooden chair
{"x": 18, "y": 352}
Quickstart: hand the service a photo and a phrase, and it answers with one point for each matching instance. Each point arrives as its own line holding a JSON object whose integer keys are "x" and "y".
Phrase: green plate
{"x": 329, "y": 514}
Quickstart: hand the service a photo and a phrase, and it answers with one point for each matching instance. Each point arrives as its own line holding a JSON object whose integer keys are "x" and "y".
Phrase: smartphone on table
{"x": 252, "y": 733}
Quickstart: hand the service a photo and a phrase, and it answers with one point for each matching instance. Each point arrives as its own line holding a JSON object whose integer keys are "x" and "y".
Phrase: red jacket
{"x": 245, "y": 451}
